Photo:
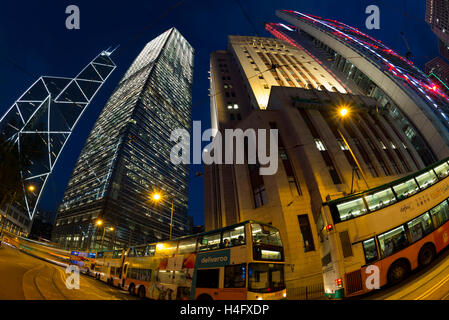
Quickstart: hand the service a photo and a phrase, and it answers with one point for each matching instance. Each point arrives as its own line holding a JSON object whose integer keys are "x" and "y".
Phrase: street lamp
{"x": 158, "y": 197}
{"x": 104, "y": 231}
{"x": 344, "y": 112}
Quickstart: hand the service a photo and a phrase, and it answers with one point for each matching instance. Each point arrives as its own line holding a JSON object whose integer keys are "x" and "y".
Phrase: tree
{"x": 11, "y": 185}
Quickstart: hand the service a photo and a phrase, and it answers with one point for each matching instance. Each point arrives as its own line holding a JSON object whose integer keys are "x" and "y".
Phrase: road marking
{"x": 434, "y": 288}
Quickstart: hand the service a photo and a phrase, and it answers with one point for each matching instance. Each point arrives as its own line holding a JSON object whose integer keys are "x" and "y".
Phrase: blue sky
{"x": 34, "y": 41}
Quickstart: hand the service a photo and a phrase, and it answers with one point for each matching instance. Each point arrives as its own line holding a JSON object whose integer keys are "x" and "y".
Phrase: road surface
{"x": 23, "y": 277}
{"x": 430, "y": 283}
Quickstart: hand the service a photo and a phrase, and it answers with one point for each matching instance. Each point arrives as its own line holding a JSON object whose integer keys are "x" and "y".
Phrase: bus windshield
{"x": 266, "y": 277}
{"x": 263, "y": 234}
{"x": 267, "y": 244}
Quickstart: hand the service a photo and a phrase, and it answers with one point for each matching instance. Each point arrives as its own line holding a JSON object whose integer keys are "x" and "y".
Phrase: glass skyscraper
{"x": 127, "y": 156}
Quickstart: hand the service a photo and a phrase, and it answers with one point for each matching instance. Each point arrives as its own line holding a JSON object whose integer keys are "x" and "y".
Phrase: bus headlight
{"x": 259, "y": 298}
{"x": 285, "y": 294}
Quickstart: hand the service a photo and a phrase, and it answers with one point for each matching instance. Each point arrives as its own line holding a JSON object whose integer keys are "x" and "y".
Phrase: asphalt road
{"x": 23, "y": 277}
{"x": 430, "y": 283}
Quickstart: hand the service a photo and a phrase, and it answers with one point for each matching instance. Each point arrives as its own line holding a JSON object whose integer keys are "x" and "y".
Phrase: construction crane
{"x": 409, "y": 52}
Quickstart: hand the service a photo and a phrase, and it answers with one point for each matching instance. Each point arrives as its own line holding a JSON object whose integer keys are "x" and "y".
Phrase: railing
{"x": 310, "y": 292}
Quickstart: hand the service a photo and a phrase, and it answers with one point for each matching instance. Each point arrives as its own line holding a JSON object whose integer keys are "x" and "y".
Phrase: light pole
{"x": 158, "y": 197}
{"x": 343, "y": 112}
{"x": 104, "y": 231}
{"x": 100, "y": 223}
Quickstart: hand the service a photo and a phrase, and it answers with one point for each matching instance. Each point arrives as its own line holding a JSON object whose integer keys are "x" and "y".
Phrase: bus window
{"x": 164, "y": 276}
{"x": 139, "y": 251}
{"x": 235, "y": 276}
{"x": 380, "y": 199}
{"x": 207, "y": 278}
{"x": 392, "y": 241}
{"x": 210, "y": 242}
{"x": 406, "y": 189}
{"x": 117, "y": 254}
{"x": 351, "y": 209}
{"x": 440, "y": 214}
{"x": 420, "y": 226}
{"x": 263, "y": 234}
{"x": 265, "y": 277}
{"x": 132, "y": 252}
{"x": 186, "y": 246}
{"x": 442, "y": 170}
{"x": 139, "y": 274}
{"x": 426, "y": 179}
{"x": 150, "y": 250}
{"x": 234, "y": 237}
{"x": 370, "y": 249}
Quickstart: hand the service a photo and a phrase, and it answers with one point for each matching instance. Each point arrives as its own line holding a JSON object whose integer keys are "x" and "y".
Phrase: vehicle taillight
{"x": 339, "y": 282}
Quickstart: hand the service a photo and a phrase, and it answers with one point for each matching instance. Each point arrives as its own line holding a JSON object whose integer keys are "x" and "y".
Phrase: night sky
{"x": 34, "y": 41}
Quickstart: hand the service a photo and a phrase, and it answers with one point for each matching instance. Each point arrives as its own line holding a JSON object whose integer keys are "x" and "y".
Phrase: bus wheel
{"x": 132, "y": 289}
{"x": 142, "y": 292}
{"x": 426, "y": 255}
{"x": 398, "y": 271}
{"x": 204, "y": 297}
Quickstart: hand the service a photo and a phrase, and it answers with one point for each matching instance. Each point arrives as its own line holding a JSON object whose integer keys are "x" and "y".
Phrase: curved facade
{"x": 392, "y": 79}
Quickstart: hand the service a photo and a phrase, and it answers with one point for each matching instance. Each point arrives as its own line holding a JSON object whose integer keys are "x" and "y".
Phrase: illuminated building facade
{"x": 240, "y": 81}
{"x": 41, "y": 121}
{"x": 369, "y": 67}
{"x": 438, "y": 70}
{"x": 437, "y": 16}
{"x": 127, "y": 156}
{"x": 263, "y": 83}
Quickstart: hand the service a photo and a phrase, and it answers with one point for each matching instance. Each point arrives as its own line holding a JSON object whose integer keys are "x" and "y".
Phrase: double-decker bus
{"x": 238, "y": 262}
{"x": 389, "y": 230}
{"x": 108, "y": 266}
{"x": 84, "y": 260}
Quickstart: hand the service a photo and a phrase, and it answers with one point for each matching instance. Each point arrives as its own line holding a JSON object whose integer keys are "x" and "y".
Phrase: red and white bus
{"x": 396, "y": 227}
{"x": 239, "y": 262}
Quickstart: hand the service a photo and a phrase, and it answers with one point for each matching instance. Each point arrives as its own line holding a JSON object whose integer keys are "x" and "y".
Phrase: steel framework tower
{"x": 43, "y": 118}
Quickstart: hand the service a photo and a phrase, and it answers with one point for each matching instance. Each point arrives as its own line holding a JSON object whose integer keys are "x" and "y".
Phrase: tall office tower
{"x": 240, "y": 81}
{"x": 41, "y": 121}
{"x": 437, "y": 16}
{"x": 371, "y": 68}
{"x": 127, "y": 156}
{"x": 438, "y": 70}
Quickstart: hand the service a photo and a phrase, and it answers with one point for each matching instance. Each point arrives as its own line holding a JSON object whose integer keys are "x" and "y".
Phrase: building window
{"x": 260, "y": 196}
{"x": 342, "y": 144}
{"x": 306, "y": 233}
{"x": 320, "y": 145}
{"x": 257, "y": 184}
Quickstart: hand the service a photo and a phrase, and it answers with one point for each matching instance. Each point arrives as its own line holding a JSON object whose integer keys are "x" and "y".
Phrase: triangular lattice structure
{"x": 43, "y": 118}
